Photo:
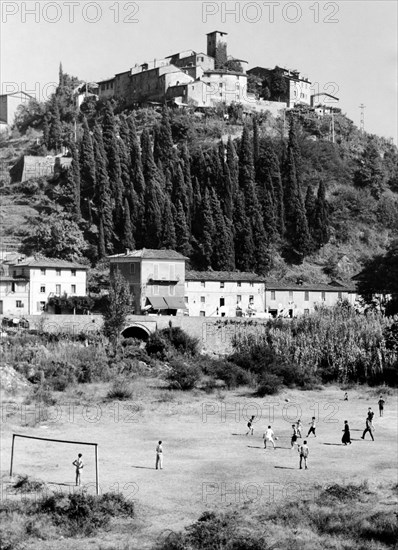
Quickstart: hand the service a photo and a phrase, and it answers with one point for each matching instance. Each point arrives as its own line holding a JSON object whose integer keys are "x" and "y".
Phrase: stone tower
{"x": 214, "y": 39}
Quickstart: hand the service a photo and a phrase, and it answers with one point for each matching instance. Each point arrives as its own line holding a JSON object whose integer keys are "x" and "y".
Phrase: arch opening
{"x": 136, "y": 332}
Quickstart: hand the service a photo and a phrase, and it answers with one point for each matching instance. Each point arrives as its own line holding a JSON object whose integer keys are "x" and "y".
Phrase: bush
{"x": 183, "y": 376}
{"x": 156, "y": 345}
{"x": 160, "y": 342}
{"x": 121, "y": 389}
{"x": 233, "y": 375}
{"x": 269, "y": 384}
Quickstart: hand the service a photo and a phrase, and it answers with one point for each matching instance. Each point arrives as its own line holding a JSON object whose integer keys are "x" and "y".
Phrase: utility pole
{"x": 362, "y": 120}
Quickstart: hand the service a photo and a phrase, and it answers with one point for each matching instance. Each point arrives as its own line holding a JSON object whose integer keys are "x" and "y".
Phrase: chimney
{"x": 127, "y": 251}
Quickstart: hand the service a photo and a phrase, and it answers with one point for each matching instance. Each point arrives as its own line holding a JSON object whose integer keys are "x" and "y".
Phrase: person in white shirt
{"x": 269, "y": 436}
{"x": 159, "y": 456}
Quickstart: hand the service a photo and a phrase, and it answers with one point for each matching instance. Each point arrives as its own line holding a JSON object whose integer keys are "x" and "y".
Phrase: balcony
{"x": 158, "y": 280}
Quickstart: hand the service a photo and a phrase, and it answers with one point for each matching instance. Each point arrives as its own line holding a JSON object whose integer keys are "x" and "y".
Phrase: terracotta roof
{"x": 49, "y": 262}
{"x": 149, "y": 253}
{"x": 223, "y": 276}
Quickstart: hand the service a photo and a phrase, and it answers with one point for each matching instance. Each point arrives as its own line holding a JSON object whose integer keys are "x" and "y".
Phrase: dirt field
{"x": 209, "y": 462}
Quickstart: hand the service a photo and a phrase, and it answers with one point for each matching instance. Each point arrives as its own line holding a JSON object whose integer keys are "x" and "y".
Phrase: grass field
{"x": 209, "y": 462}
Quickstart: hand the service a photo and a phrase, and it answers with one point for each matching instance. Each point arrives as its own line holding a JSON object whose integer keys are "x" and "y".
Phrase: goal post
{"x": 95, "y": 445}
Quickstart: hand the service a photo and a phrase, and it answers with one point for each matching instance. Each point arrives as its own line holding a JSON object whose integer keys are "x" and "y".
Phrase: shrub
{"x": 25, "y": 484}
{"x": 156, "y": 345}
{"x": 269, "y": 384}
{"x": 121, "y": 389}
{"x": 172, "y": 338}
{"x": 233, "y": 375}
{"x": 183, "y": 376}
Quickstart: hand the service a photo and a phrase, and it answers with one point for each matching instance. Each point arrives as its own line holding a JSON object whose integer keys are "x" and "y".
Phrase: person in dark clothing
{"x": 381, "y": 405}
{"x": 346, "y": 435}
{"x": 369, "y": 428}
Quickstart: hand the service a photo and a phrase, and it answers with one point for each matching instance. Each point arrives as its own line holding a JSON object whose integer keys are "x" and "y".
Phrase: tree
{"x": 243, "y": 236}
{"x": 168, "y": 241}
{"x": 87, "y": 166}
{"x": 118, "y": 306}
{"x": 163, "y": 143}
{"x": 222, "y": 258}
{"x": 128, "y": 239}
{"x": 181, "y": 231}
{"x": 371, "y": 173}
{"x": 55, "y": 134}
{"x": 103, "y": 196}
{"x": 321, "y": 226}
{"x": 380, "y": 277}
{"x": 56, "y": 236}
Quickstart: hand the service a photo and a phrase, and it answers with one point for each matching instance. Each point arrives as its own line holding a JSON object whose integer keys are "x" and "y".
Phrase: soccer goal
{"x": 95, "y": 445}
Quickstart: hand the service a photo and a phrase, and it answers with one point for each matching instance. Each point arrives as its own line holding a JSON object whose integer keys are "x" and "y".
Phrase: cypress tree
{"x": 207, "y": 230}
{"x": 137, "y": 194}
{"x": 243, "y": 237}
{"x": 75, "y": 171}
{"x": 321, "y": 227}
{"x": 124, "y": 131}
{"x": 55, "y": 134}
{"x": 300, "y": 238}
{"x": 310, "y": 210}
{"x": 182, "y": 233}
{"x": 103, "y": 195}
{"x": 256, "y": 141}
{"x": 222, "y": 258}
{"x": 186, "y": 168}
{"x": 196, "y": 221}
{"x": 233, "y": 166}
{"x": 101, "y": 240}
{"x": 128, "y": 239}
{"x": 152, "y": 223}
{"x": 179, "y": 193}
{"x": 168, "y": 240}
{"x": 163, "y": 142}
{"x": 87, "y": 164}
{"x": 111, "y": 147}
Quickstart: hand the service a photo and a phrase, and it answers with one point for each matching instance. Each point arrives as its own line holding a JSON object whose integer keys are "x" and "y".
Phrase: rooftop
{"x": 223, "y": 276}
{"x": 328, "y": 287}
{"x": 49, "y": 262}
{"x": 149, "y": 253}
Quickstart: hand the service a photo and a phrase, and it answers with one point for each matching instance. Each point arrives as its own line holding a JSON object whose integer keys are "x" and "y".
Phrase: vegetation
{"x": 244, "y": 204}
{"x": 341, "y": 516}
{"x": 56, "y": 515}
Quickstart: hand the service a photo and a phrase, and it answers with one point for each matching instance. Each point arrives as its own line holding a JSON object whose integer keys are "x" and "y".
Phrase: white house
{"x": 223, "y": 293}
{"x": 27, "y": 284}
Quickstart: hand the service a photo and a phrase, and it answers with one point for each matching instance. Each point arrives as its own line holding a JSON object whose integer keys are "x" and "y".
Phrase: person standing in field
{"x": 250, "y": 426}
{"x": 78, "y": 463}
{"x": 294, "y": 436}
{"x": 312, "y": 427}
{"x": 304, "y": 452}
{"x": 269, "y": 436}
{"x": 299, "y": 427}
{"x": 381, "y": 405}
{"x": 159, "y": 456}
{"x": 370, "y": 415}
{"x": 369, "y": 428}
{"x": 346, "y": 396}
{"x": 346, "y": 435}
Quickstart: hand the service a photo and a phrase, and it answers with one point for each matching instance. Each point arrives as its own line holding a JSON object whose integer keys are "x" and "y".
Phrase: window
{"x": 202, "y": 283}
{"x": 306, "y": 312}
{"x": 12, "y": 287}
{"x": 306, "y": 296}
{"x": 273, "y": 295}
{"x": 290, "y": 294}
{"x": 43, "y": 271}
{"x": 186, "y": 299}
{"x": 42, "y": 289}
{"x": 41, "y": 306}
{"x": 202, "y": 313}
{"x": 73, "y": 272}
{"x": 251, "y": 283}
{"x": 251, "y": 298}
{"x": 323, "y": 296}
{"x": 222, "y": 284}
{"x": 58, "y": 289}
{"x": 238, "y": 298}
{"x": 132, "y": 269}
{"x": 18, "y": 303}
{"x": 202, "y": 299}
{"x": 73, "y": 289}
{"x": 239, "y": 284}
{"x": 58, "y": 272}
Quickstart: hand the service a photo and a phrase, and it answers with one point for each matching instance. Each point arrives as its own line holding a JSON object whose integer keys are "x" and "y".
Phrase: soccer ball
{"x": 276, "y": 439}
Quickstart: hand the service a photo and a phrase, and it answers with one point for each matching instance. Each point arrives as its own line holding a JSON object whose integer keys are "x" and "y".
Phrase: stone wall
{"x": 215, "y": 334}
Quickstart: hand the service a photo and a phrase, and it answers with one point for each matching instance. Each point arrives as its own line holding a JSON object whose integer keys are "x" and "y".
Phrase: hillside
{"x": 262, "y": 194}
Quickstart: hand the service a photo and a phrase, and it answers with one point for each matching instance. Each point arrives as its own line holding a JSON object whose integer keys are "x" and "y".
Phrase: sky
{"x": 346, "y": 48}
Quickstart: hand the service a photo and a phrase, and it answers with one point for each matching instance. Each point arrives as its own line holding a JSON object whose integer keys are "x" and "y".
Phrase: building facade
{"x": 26, "y": 285}
{"x": 224, "y": 294}
{"x": 9, "y": 104}
{"x": 156, "y": 279}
